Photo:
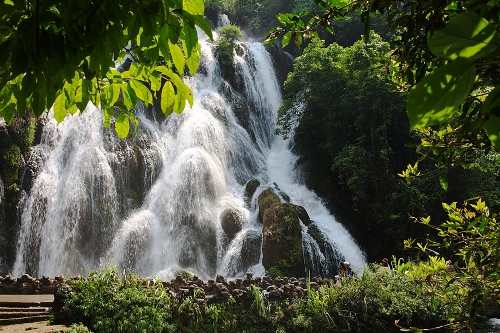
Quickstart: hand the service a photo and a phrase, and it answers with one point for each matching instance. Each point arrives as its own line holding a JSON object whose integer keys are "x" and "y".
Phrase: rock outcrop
{"x": 282, "y": 253}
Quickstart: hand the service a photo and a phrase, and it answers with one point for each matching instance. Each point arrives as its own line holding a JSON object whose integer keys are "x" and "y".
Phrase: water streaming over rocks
{"x": 154, "y": 204}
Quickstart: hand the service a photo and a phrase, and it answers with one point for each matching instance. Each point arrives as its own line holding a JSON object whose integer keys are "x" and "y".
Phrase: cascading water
{"x": 154, "y": 204}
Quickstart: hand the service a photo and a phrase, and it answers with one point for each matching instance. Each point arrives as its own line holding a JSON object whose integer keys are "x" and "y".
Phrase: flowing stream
{"x": 154, "y": 204}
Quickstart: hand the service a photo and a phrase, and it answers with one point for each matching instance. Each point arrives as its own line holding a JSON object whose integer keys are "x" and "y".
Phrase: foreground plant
{"x": 62, "y": 53}
{"x": 472, "y": 233}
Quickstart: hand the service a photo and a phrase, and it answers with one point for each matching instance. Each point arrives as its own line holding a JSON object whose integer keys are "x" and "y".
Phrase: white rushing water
{"x": 154, "y": 204}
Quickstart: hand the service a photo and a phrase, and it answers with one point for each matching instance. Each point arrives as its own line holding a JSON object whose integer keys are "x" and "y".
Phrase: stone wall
{"x": 210, "y": 291}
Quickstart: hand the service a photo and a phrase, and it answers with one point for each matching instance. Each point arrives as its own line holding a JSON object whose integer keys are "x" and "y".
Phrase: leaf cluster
{"x": 66, "y": 54}
{"x": 472, "y": 233}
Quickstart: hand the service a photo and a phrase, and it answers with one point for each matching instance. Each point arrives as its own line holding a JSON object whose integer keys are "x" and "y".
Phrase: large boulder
{"x": 231, "y": 222}
{"x": 266, "y": 199}
{"x": 250, "y": 189}
{"x": 282, "y": 241}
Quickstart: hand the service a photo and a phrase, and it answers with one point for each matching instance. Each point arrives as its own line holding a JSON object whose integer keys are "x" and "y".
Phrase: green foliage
{"x": 78, "y": 328}
{"x": 446, "y": 53}
{"x": 226, "y": 43}
{"x": 410, "y": 294}
{"x": 62, "y": 55}
{"x": 106, "y": 303}
{"x": 472, "y": 234}
{"x": 340, "y": 106}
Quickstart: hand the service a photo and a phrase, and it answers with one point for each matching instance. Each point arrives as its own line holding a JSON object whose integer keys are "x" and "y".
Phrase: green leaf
{"x": 122, "y": 126}
{"x": 174, "y": 29}
{"x": 112, "y": 94}
{"x": 287, "y": 37}
{"x": 60, "y": 110}
{"x": 433, "y": 100}
{"x": 8, "y": 112}
{"x": 177, "y": 57}
{"x": 38, "y": 102}
{"x": 443, "y": 181}
{"x": 203, "y": 24}
{"x": 297, "y": 38}
{"x": 190, "y": 39}
{"x": 194, "y": 60}
{"x": 108, "y": 115}
{"x": 142, "y": 91}
{"x": 194, "y": 7}
{"x": 467, "y": 36}
{"x": 163, "y": 42}
{"x": 492, "y": 127}
{"x": 167, "y": 98}
{"x": 82, "y": 96}
{"x": 492, "y": 103}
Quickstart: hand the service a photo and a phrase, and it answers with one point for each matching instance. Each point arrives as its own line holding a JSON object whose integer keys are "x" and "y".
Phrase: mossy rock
{"x": 231, "y": 222}
{"x": 282, "y": 240}
{"x": 22, "y": 130}
{"x": 266, "y": 199}
{"x": 10, "y": 159}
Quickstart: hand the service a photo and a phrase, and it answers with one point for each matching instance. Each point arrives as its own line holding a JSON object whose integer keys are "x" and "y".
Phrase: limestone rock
{"x": 282, "y": 240}
{"x": 266, "y": 199}
{"x": 231, "y": 222}
{"x": 250, "y": 189}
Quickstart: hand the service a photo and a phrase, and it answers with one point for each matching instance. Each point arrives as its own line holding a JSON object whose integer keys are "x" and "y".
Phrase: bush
{"x": 105, "y": 303}
{"x": 226, "y": 43}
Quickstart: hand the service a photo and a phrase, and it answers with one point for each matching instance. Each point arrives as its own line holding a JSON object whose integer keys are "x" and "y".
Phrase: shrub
{"x": 106, "y": 303}
{"x": 226, "y": 43}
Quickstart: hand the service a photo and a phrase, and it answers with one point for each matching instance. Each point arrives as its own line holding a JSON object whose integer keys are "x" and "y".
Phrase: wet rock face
{"x": 282, "y": 241}
{"x": 231, "y": 222}
{"x": 250, "y": 189}
{"x": 266, "y": 199}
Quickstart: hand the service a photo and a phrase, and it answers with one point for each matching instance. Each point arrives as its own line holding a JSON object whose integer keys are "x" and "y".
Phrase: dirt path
{"x": 38, "y": 327}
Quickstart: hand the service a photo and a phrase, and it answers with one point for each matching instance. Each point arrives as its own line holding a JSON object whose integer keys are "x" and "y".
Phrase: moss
{"x": 266, "y": 199}
{"x": 289, "y": 266}
{"x": 11, "y": 161}
{"x": 22, "y": 131}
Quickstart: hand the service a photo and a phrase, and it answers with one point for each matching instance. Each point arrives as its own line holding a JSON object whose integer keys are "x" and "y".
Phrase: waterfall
{"x": 154, "y": 204}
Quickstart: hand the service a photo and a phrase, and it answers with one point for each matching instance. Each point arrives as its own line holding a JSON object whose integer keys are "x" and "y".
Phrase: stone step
{"x": 24, "y": 309}
{"x": 22, "y": 320}
{"x": 15, "y": 313}
{"x": 23, "y": 304}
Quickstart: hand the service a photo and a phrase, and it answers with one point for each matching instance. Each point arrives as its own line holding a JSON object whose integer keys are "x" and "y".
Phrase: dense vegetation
{"x": 340, "y": 105}
{"x": 379, "y": 300}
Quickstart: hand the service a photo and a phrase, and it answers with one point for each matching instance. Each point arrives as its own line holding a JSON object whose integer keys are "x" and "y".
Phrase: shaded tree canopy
{"x": 445, "y": 54}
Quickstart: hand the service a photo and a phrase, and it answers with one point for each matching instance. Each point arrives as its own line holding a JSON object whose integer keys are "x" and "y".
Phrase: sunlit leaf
{"x": 60, "y": 110}
{"x": 8, "y": 112}
{"x": 177, "y": 57}
{"x": 467, "y": 36}
{"x": 167, "y": 98}
{"x": 142, "y": 92}
{"x": 194, "y": 7}
{"x": 287, "y": 37}
{"x": 122, "y": 126}
{"x": 433, "y": 100}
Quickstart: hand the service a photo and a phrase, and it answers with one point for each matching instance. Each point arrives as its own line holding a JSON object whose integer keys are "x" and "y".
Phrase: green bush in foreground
{"x": 106, "y": 303}
{"x": 409, "y": 295}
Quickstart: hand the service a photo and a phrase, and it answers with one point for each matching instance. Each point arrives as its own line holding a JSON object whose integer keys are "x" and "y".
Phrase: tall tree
{"x": 446, "y": 56}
